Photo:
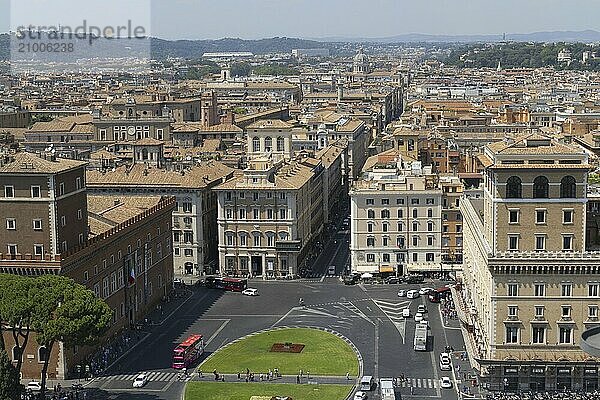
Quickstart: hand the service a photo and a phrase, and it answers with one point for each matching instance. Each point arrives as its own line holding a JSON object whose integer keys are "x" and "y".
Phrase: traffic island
{"x": 323, "y": 354}
{"x": 298, "y": 363}
{"x": 245, "y": 391}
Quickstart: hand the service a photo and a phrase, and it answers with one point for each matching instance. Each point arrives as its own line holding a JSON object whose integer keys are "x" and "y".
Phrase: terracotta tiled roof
{"x": 269, "y": 124}
{"x": 138, "y": 175}
{"x": 28, "y": 163}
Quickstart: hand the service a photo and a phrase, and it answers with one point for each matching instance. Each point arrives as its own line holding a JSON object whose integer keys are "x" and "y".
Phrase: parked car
{"x": 445, "y": 362}
{"x": 351, "y": 279}
{"x": 426, "y": 290}
{"x": 140, "y": 381}
{"x": 360, "y": 395}
{"x": 415, "y": 278}
{"x": 392, "y": 280}
{"x": 34, "y": 386}
{"x": 422, "y": 309}
{"x": 250, "y": 292}
{"x": 402, "y": 293}
{"x": 445, "y": 382}
{"x": 418, "y": 317}
{"x": 412, "y": 294}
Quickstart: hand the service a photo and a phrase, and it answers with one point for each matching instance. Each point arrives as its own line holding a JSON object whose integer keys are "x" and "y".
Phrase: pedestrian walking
{"x": 199, "y": 373}
{"x": 348, "y": 376}
{"x": 297, "y": 378}
{"x": 239, "y": 376}
{"x": 301, "y": 375}
{"x": 307, "y": 374}
{"x": 412, "y": 390}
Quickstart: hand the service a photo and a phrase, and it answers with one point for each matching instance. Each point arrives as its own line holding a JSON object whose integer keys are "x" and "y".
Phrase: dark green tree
{"x": 10, "y": 388}
{"x": 241, "y": 69}
{"x": 66, "y": 311}
{"x": 16, "y": 310}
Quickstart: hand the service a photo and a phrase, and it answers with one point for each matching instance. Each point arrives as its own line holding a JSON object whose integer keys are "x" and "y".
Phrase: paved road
{"x": 369, "y": 315}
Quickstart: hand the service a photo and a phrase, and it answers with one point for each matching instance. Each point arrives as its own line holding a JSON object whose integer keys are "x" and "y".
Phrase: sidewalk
{"x": 286, "y": 379}
{"x": 128, "y": 340}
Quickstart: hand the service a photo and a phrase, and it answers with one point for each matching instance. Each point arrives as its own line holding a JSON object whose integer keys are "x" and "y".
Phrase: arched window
{"x": 513, "y": 188}
{"x": 385, "y": 214}
{"x": 42, "y": 354}
{"x": 268, "y": 143}
{"x": 568, "y": 187}
{"x": 280, "y": 143}
{"x": 255, "y": 144}
{"x": 16, "y": 354}
{"x": 540, "y": 187}
{"x": 370, "y": 214}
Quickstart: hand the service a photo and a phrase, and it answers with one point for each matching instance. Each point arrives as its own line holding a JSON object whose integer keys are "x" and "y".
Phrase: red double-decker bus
{"x": 438, "y": 294}
{"x": 188, "y": 351}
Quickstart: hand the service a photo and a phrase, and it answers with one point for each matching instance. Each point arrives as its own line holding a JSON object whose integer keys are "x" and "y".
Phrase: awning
{"x": 386, "y": 269}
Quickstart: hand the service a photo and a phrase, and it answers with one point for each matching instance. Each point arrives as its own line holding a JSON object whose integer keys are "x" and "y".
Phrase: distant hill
{"x": 587, "y": 36}
{"x": 190, "y": 49}
{"x": 195, "y": 48}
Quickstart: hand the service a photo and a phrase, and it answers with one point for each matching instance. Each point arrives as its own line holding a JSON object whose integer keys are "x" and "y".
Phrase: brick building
{"x": 118, "y": 246}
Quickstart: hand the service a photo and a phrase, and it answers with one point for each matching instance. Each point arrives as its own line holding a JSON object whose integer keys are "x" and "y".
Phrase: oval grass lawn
{"x": 323, "y": 354}
{"x": 244, "y": 391}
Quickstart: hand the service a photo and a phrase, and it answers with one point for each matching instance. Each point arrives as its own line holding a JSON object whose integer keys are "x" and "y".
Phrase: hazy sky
{"x": 204, "y": 19}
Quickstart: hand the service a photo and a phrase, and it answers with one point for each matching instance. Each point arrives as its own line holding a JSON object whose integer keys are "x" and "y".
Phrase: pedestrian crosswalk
{"x": 153, "y": 376}
{"x": 425, "y": 383}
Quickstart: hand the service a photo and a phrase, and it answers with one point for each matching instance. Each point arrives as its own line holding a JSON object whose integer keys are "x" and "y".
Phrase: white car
{"x": 360, "y": 395}
{"x": 412, "y": 294}
{"x": 140, "y": 381}
{"x": 445, "y": 383}
{"x": 250, "y": 292}
{"x": 402, "y": 293}
{"x": 425, "y": 290}
{"x": 445, "y": 363}
{"x": 422, "y": 309}
{"x": 406, "y": 313}
{"x": 418, "y": 317}
{"x": 34, "y": 386}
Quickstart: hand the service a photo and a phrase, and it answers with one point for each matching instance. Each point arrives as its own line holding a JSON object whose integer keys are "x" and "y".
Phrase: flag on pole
{"x": 131, "y": 278}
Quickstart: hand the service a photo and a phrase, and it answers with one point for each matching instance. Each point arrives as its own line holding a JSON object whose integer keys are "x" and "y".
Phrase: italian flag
{"x": 131, "y": 278}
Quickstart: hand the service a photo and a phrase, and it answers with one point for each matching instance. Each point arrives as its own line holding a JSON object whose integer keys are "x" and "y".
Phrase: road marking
{"x": 322, "y": 279}
{"x": 394, "y": 314}
{"x": 284, "y": 316}
{"x": 376, "y": 369}
{"x": 425, "y": 383}
{"x": 356, "y": 310}
{"x": 217, "y": 332}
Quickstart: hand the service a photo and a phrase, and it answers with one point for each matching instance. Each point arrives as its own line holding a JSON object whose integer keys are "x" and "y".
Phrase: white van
{"x": 366, "y": 382}
{"x": 406, "y": 313}
{"x": 331, "y": 270}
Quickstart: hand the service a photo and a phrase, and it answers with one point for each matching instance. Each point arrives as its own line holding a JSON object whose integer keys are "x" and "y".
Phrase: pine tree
{"x": 10, "y": 388}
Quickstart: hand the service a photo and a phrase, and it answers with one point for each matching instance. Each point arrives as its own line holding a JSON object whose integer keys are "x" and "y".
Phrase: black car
{"x": 392, "y": 280}
{"x": 415, "y": 279}
{"x": 351, "y": 279}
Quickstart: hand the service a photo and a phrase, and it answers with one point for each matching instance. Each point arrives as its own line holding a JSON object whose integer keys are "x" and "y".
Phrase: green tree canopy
{"x": 66, "y": 311}
{"x": 10, "y": 388}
